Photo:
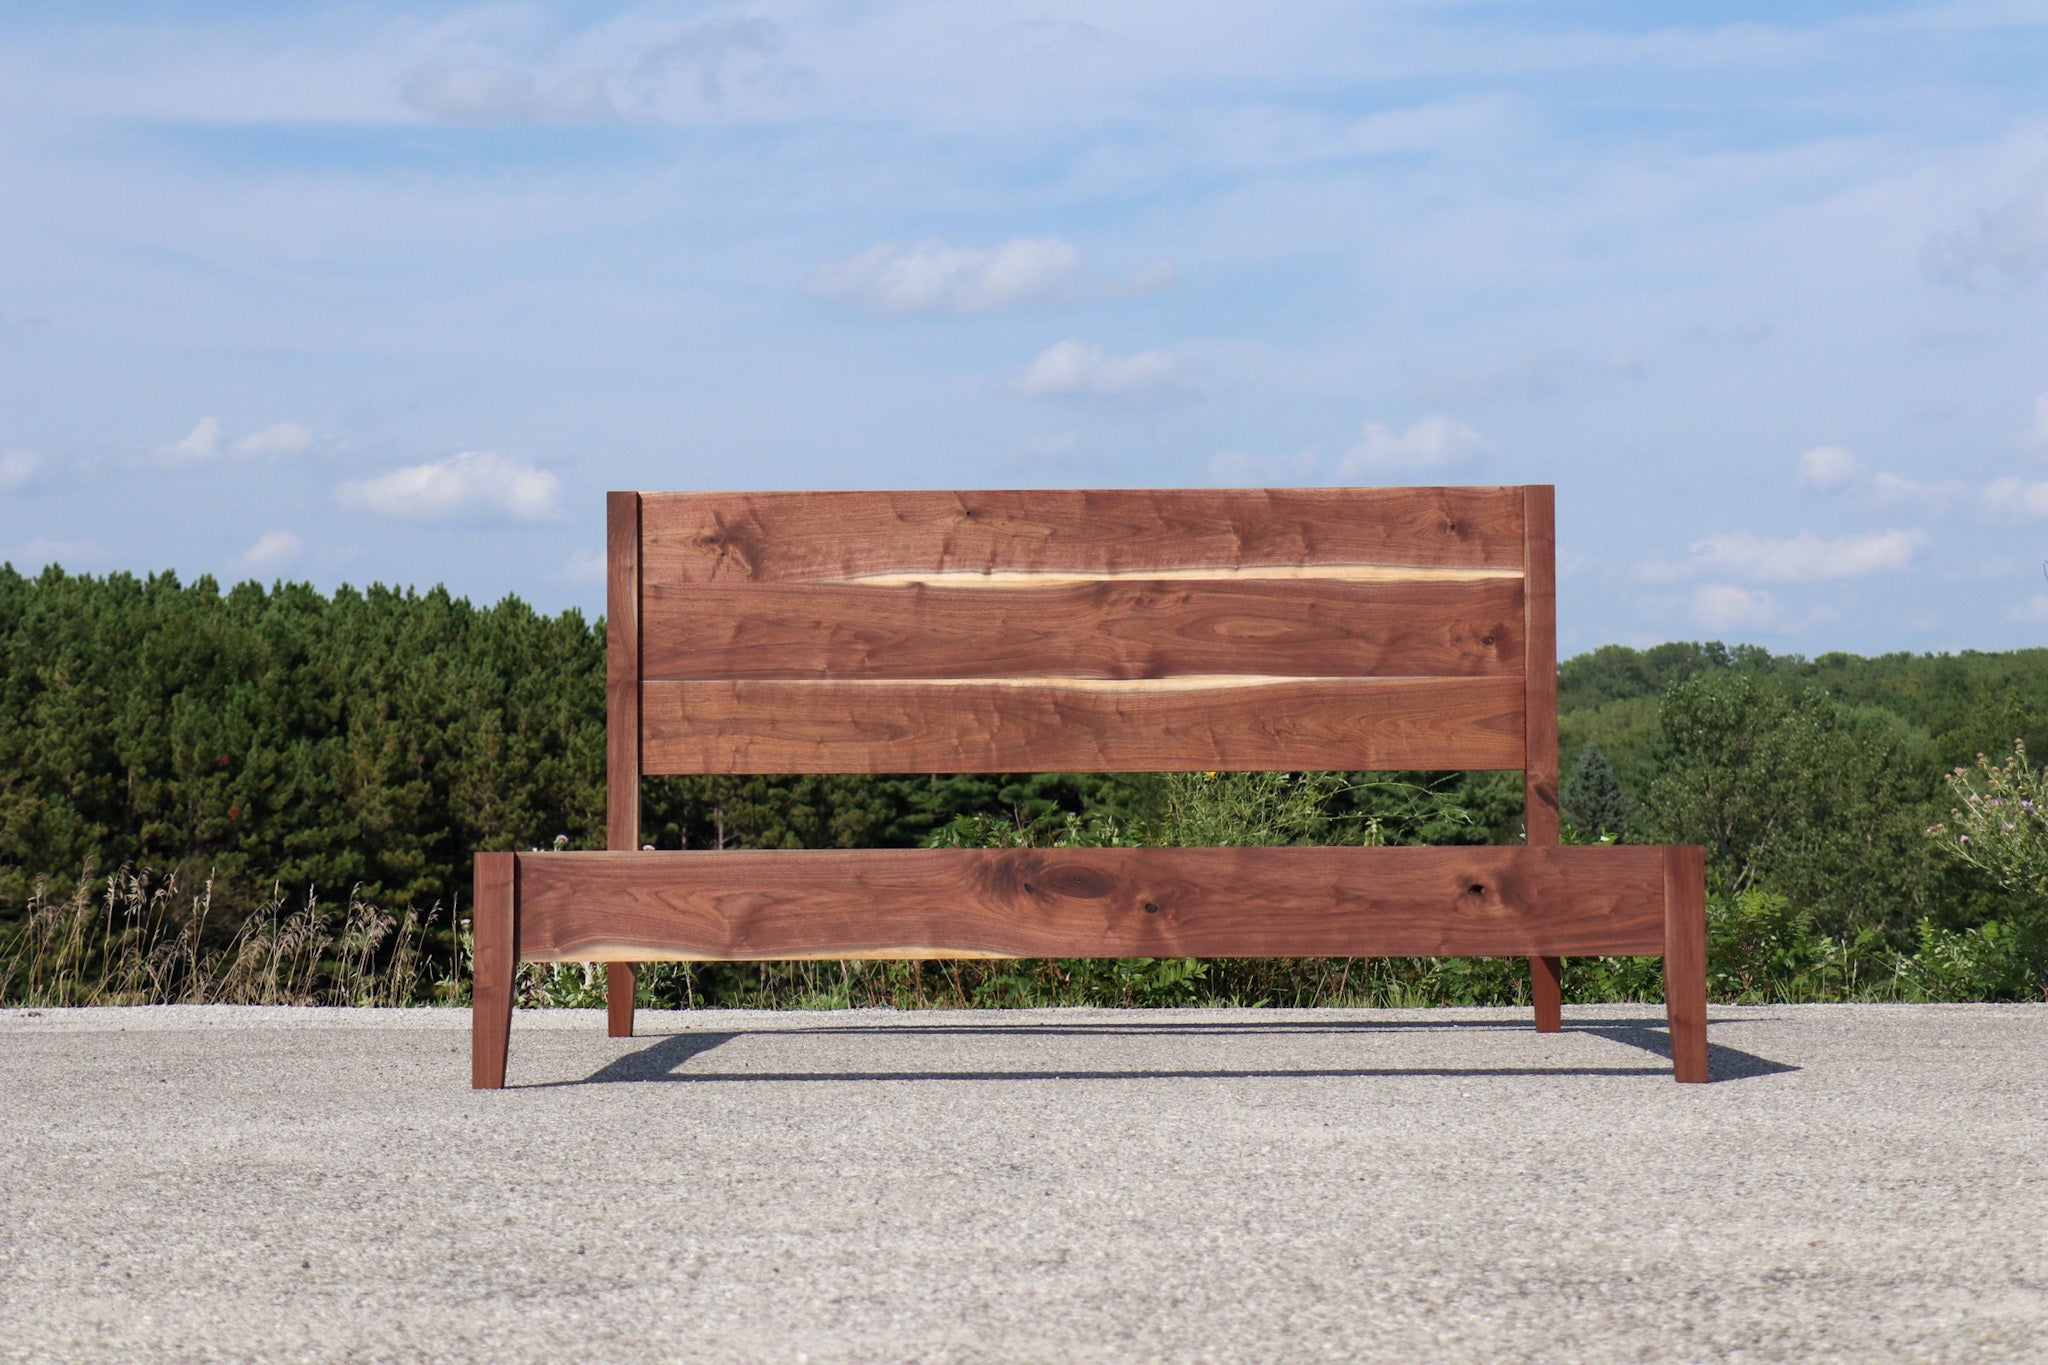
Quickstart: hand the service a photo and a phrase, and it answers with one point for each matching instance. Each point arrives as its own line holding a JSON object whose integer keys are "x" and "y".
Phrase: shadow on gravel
{"x": 662, "y": 1060}
{"x": 1723, "y": 1063}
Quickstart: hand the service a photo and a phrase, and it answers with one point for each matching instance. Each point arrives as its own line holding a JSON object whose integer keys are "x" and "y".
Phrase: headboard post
{"x": 622, "y": 671}
{"x": 1539, "y": 708}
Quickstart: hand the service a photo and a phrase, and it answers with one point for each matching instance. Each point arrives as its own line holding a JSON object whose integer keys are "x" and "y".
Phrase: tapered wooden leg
{"x": 1685, "y": 960}
{"x": 494, "y": 920}
{"x": 618, "y": 997}
{"x": 1546, "y": 984}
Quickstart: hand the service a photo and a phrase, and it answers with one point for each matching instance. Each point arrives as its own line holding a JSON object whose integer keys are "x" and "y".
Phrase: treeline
{"x": 373, "y": 740}
{"x": 1813, "y": 779}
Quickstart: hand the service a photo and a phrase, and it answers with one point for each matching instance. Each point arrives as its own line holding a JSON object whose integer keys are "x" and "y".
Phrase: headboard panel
{"x": 1102, "y": 630}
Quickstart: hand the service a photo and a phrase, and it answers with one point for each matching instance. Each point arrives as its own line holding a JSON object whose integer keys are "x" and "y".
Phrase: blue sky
{"x": 394, "y": 293}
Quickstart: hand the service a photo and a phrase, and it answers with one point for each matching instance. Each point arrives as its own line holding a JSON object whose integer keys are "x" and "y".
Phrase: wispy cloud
{"x": 203, "y": 442}
{"x": 1432, "y": 442}
{"x": 2011, "y": 499}
{"x": 474, "y": 485}
{"x": 706, "y": 53}
{"x": 1074, "y": 369}
{"x": 629, "y": 69}
{"x": 497, "y": 95}
{"x": 1926, "y": 495}
{"x": 42, "y": 551}
{"x": 897, "y": 280}
{"x": 1725, "y": 606}
{"x": 18, "y": 468}
{"x": 271, "y": 550}
{"x": 206, "y": 441}
{"x": 1804, "y": 558}
{"x": 2032, "y": 612}
{"x": 1828, "y": 468}
{"x": 2005, "y": 246}
{"x": 286, "y": 438}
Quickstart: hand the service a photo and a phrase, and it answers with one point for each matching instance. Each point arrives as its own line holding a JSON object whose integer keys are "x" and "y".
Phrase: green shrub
{"x": 2000, "y": 823}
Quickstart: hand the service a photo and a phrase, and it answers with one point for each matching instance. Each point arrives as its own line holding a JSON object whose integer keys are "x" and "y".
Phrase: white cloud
{"x": 205, "y": 442}
{"x": 897, "y": 280}
{"x": 585, "y": 566}
{"x": 202, "y": 444}
{"x": 2032, "y": 612}
{"x": 1232, "y": 470}
{"x": 39, "y": 553}
{"x": 271, "y": 548}
{"x": 1828, "y": 468}
{"x": 1430, "y": 442}
{"x": 286, "y": 438}
{"x": 1804, "y": 558}
{"x": 1074, "y": 369}
{"x": 1724, "y": 606}
{"x": 2007, "y": 499}
{"x": 17, "y": 467}
{"x": 474, "y": 484}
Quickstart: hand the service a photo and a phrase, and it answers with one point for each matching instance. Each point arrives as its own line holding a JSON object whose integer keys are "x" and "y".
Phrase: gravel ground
{"x": 211, "y": 1183}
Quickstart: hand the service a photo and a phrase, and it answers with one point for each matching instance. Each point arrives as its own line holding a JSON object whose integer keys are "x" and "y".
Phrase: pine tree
{"x": 1593, "y": 799}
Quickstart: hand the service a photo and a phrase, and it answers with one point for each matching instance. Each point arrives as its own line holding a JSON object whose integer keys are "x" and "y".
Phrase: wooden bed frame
{"x": 1338, "y": 629}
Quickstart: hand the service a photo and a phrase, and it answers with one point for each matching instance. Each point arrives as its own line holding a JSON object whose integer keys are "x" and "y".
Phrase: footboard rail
{"x": 1543, "y": 903}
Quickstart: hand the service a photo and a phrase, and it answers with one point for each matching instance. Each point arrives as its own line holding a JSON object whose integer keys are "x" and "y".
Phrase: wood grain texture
{"x": 1539, "y": 768}
{"x": 1105, "y": 629}
{"x": 1094, "y": 902}
{"x": 622, "y": 671}
{"x": 1071, "y": 726}
{"x": 1685, "y": 960}
{"x": 782, "y": 537}
{"x": 619, "y": 982}
{"x": 1546, "y": 989}
{"x": 494, "y": 923}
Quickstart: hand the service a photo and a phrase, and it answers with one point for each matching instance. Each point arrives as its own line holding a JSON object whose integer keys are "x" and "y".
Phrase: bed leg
{"x": 494, "y": 921}
{"x": 1685, "y": 960}
{"x": 1546, "y": 985}
{"x": 619, "y": 978}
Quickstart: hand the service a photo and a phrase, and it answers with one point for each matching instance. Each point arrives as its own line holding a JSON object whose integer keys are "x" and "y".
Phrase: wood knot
{"x": 1150, "y": 908}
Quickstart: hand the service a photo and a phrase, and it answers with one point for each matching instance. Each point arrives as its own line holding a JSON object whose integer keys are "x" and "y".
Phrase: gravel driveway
{"x": 1862, "y": 1183}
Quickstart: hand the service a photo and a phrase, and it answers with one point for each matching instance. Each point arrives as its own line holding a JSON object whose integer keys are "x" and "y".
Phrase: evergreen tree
{"x": 1592, "y": 797}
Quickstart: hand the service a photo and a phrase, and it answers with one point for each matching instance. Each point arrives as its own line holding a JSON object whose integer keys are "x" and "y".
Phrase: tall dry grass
{"x": 121, "y": 939}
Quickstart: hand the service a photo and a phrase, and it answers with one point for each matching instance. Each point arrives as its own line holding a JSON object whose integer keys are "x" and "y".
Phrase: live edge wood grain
{"x": 780, "y": 537}
{"x": 1168, "y": 725}
{"x": 1142, "y": 628}
{"x": 1093, "y": 902}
